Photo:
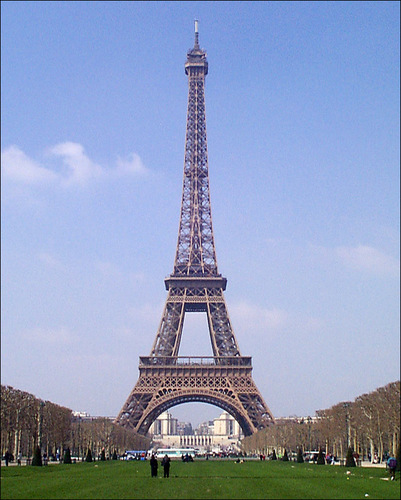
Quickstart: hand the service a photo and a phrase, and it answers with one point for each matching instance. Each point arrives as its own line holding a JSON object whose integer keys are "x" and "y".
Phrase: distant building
{"x": 81, "y": 414}
{"x": 184, "y": 428}
{"x": 165, "y": 424}
{"x": 223, "y": 434}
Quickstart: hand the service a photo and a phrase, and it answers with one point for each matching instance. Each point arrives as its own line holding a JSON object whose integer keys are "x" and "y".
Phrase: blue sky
{"x": 303, "y": 126}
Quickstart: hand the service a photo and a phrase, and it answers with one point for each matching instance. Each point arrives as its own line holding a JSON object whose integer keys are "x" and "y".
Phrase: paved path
{"x": 364, "y": 463}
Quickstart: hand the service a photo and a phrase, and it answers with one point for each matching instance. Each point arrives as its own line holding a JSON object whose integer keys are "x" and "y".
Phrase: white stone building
{"x": 222, "y": 434}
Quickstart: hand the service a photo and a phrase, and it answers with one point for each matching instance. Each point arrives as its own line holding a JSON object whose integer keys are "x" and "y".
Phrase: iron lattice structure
{"x": 224, "y": 379}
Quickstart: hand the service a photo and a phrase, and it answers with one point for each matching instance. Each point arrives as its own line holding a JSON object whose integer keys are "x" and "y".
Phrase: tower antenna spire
{"x": 196, "y": 35}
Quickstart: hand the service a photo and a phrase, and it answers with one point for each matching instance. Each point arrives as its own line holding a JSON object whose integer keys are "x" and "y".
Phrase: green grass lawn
{"x": 209, "y": 479}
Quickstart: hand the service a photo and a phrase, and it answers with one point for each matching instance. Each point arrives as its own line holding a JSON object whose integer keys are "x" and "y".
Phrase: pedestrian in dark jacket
{"x": 392, "y": 465}
{"x": 153, "y": 466}
{"x": 166, "y": 465}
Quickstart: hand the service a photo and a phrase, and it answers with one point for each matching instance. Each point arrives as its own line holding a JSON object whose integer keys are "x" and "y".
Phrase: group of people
{"x": 330, "y": 459}
{"x": 165, "y": 464}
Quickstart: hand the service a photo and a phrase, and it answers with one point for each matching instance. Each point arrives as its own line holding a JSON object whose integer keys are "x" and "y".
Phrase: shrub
{"x": 300, "y": 456}
{"x": 320, "y": 458}
{"x": 89, "y": 456}
{"x": 349, "y": 459}
{"x": 37, "y": 457}
{"x": 285, "y": 456}
{"x": 67, "y": 456}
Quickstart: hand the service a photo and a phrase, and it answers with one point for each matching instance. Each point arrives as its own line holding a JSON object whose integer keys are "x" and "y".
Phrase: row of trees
{"x": 103, "y": 437}
{"x": 370, "y": 425}
{"x": 28, "y": 422}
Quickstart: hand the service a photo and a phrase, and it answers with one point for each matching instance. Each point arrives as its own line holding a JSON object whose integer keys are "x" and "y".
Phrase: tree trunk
{"x": 380, "y": 449}
{"x": 372, "y": 450}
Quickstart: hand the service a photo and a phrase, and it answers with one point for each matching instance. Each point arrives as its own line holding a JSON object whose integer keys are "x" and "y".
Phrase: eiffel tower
{"x": 165, "y": 378}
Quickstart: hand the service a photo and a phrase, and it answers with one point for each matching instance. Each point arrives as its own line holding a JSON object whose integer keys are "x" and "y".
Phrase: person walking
{"x": 153, "y": 466}
{"x": 392, "y": 465}
{"x": 166, "y": 465}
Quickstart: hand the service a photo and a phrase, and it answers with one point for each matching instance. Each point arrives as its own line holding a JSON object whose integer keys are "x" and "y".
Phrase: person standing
{"x": 153, "y": 466}
{"x": 166, "y": 465}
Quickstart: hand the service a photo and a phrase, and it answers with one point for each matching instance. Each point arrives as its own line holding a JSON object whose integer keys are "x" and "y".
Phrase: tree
{"x": 320, "y": 458}
{"x": 24, "y": 422}
{"x": 300, "y": 456}
{"x": 349, "y": 460}
{"x": 37, "y": 457}
{"x": 67, "y": 456}
{"x": 398, "y": 455}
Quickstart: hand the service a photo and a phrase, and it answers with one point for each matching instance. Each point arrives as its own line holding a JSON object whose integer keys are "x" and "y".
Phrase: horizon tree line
{"x": 370, "y": 425}
{"x": 28, "y": 422}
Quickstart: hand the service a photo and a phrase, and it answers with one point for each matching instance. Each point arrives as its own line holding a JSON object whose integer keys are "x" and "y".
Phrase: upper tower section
{"x": 196, "y": 57}
{"x": 196, "y": 256}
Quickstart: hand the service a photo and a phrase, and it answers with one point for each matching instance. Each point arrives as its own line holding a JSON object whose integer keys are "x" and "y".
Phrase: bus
{"x": 175, "y": 452}
{"x": 135, "y": 455}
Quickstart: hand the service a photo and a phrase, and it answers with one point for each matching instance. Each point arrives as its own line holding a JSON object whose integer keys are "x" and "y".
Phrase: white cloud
{"x": 310, "y": 325}
{"x": 270, "y": 323}
{"x": 361, "y": 258}
{"x": 138, "y": 277}
{"x": 131, "y": 165}
{"x": 111, "y": 270}
{"x": 49, "y": 335}
{"x": 80, "y": 168}
{"x": 18, "y": 167}
{"x": 50, "y": 260}
{"x": 365, "y": 258}
{"x": 76, "y": 167}
{"x": 147, "y": 313}
{"x": 255, "y": 317}
{"x": 108, "y": 269}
